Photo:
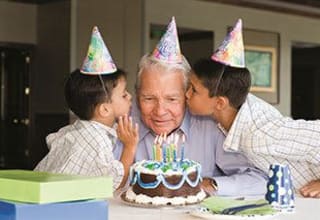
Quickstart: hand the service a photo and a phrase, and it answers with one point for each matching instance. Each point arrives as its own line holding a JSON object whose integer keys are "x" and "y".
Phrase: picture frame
{"x": 264, "y": 42}
{"x": 262, "y": 64}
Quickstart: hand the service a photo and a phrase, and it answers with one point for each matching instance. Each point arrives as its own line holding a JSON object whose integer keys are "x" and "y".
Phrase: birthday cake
{"x": 173, "y": 183}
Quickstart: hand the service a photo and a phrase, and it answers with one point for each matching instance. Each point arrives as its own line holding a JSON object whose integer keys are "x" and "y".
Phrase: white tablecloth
{"x": 306, "y": 209}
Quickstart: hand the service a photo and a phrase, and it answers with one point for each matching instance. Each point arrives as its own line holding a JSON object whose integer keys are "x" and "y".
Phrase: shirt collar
{"x": 110, "y": 130}
{"x": 185, "y": 125}
{"x": 222, "y": 129}
{"x": 238, "y": 128}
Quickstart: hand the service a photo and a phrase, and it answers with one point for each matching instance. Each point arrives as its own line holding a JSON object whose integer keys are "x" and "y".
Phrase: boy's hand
{"x": 127, "y": 132}
{"x": 311, "y": 189}
{"x": 208, "y": 187}
{"x": 129, "y": 136}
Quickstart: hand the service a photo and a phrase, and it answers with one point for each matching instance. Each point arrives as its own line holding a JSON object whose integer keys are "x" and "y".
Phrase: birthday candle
{"x": 154, "y": 148}
{"x": 174, "y": 154}
{"x": 158, "y": 152}
{"x": 154, "y": 152}
{"x": 176, "y": 140}
{"x": 182, "y": 146}
{"x": 164, "y": 152}
{"x": 168, "y": 152}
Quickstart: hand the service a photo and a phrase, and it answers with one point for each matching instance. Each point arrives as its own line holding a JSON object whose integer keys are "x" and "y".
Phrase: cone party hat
{"x": 98, "y": 60}
{"x": 231, "y": 51}
{"x": 168, "y": 48}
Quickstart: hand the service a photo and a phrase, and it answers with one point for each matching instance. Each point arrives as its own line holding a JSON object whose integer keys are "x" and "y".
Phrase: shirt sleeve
{"x": 240, "y": 177}
{"x": 117, "y": 150}
{"x": 107, "y": 164}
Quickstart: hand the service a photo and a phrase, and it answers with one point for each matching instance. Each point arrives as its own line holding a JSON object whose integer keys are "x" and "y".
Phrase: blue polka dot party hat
{"x": 280, "y": 192}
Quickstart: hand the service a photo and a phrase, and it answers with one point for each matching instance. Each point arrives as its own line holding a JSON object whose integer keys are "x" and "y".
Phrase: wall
{"x": 119, "y": 23}
{"x": 124, "y": 25}
{"x": 18, "y": 22}
{"x": 52, "y": 60}
{"x": 52, "y": 57}
{"x": 217, "y": 17}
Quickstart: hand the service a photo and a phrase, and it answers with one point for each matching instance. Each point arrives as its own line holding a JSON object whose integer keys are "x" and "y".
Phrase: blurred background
{"x": 42, "y": 41}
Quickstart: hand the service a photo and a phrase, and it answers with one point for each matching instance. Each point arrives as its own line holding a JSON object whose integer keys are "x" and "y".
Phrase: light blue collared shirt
{"x": 232, "y": 171}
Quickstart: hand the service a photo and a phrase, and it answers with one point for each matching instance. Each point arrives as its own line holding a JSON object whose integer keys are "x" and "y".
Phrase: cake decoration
{"x": 167, "y": 179}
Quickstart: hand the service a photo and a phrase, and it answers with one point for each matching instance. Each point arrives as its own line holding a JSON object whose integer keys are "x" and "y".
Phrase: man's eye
{"x": 172, "y": 100}
{"x": 125, "y": 95}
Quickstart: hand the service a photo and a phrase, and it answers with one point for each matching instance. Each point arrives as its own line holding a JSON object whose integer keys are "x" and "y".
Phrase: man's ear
{"x": 221, "y": 102}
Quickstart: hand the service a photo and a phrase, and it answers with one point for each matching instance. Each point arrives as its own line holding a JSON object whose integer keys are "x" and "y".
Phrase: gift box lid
{"x": 80, "y": 210}
{"x": 42, "y": 187}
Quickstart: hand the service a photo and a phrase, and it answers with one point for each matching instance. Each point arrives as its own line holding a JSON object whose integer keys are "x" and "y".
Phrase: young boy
{"x": 98, "y": 96}
{"x": 85, "y": 147}
{"x": 252, "y": 126}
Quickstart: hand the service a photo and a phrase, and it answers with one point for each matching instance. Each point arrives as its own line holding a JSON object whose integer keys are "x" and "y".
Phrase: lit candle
{"x": 154, "y": 148}
{"x": 175, "y": 147}
{"x": 164, "y": 149}
{"x": 164, "y": 153}
{"x": 182, "y": 146}
{"x": 158, "y": 150}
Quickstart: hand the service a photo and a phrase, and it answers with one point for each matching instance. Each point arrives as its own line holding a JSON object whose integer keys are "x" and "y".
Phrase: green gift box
{"x": 41, "y": 187}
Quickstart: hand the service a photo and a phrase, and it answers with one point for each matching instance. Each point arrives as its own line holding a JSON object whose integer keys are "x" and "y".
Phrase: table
{"x": 306, "y": 209}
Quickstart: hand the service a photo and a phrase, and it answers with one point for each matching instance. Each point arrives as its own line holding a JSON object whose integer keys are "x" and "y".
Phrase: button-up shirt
{"x": 267, "y": 137}
{"x": 232, "y": 171}
{"x": 83, "y": 148}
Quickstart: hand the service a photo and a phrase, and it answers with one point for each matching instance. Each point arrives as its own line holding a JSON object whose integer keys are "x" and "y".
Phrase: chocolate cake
{"x": 171, "y": 183}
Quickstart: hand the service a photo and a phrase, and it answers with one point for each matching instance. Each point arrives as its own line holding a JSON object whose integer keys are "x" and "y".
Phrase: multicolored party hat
{"x": 231, "y": 51}
{"x": 98, "y": 60}
{"x": 168, "y": 48}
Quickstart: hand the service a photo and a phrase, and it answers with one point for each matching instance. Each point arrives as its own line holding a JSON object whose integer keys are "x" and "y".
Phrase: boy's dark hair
{"x": 84, "y": 92}
{"x": 234, "y": 82}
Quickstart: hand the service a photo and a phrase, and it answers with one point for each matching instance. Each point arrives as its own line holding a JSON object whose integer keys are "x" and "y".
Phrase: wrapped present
{"x": 41, "y": 187}
{"x": 78, "y": 210}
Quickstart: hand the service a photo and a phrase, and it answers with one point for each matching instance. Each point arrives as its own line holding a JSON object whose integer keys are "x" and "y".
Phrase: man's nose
{"x": 160, "y": 108}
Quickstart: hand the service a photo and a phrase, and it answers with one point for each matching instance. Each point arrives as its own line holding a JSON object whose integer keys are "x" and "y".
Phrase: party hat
{"x": 280, "y": 192}
{"x": 168, "y": 48}
{"x": 98, "y": 60}
{"x": 231, "y": 51}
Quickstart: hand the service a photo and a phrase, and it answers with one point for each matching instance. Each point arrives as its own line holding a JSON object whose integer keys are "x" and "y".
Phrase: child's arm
{"x": 311, "y": 189}
{"x": 129, "y": 136}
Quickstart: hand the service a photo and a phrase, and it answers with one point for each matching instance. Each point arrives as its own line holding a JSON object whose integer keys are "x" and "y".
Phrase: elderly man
{"x": 160, "y": 90}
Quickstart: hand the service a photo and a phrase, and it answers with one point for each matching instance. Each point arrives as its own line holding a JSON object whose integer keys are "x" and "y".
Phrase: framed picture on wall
{"x": 262, "y": 64}
{"x": 262, "y": 59}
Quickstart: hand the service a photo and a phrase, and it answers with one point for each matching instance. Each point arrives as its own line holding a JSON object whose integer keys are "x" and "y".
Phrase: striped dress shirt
{"x": 266, "y": 137}
{"x": 83, "y": 148}
{"x": 204, "y": 144}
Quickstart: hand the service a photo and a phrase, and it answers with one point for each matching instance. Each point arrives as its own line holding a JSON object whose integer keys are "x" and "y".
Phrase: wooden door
{"x": 14, "y": 99}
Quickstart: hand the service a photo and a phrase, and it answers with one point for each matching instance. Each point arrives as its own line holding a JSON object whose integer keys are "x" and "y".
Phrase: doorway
{"x": 14, "y": 106}
{"x": 305, "y": 81}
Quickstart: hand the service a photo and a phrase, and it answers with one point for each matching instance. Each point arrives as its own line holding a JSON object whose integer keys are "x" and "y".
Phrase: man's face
{"x": 161, "y": 99}
{"x": 198, "y": 99}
